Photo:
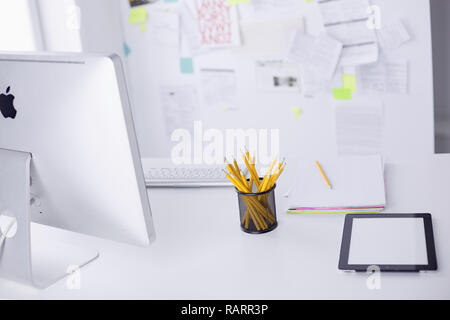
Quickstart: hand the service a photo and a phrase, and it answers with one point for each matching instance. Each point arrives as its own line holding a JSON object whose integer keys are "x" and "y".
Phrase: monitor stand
{"x": 31, "y": 256}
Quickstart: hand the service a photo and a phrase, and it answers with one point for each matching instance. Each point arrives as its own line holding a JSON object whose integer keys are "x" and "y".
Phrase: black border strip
{"x": 429, "y": 237}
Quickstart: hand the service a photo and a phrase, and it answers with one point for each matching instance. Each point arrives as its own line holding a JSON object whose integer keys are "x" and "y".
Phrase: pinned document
{"x": 179, "y": 104}
{"x": 277, "y": 31}
{"x": 191, "y": 39}
{"x": 393, "y": 35}
{"x": 318, "y": 55}
{"x": 277, "y": 75}
{"x": 346, "y": 21}
{"x": 164, "y": 29}
{"x": 219, "y": 88}
{"x": 385, "y": 77}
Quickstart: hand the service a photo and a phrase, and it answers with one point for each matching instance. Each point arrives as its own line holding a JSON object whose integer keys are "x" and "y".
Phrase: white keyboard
{"x": 161, "y": 173}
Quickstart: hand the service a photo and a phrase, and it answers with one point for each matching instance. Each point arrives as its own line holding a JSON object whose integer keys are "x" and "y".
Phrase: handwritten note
{"x": 218, "y": 23}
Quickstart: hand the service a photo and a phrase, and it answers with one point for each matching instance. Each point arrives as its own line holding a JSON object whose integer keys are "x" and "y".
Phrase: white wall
{"x": 17, "y": 32}
{"x": 58, "y": 23}
{"x": 409, "y": 125}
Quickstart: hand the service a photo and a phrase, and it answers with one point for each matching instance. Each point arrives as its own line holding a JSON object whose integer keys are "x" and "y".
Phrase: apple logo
{"x": 7, "y": 105}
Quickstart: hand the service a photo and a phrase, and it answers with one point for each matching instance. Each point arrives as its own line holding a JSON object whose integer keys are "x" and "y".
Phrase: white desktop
{"x": 69, "y": 159}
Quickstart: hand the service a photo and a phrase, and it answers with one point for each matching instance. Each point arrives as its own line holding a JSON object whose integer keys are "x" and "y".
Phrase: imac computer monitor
{"x": 71, "y": 113}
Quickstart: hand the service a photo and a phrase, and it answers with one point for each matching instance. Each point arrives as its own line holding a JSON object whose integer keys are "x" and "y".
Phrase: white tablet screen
{"x": 390, "y": 241}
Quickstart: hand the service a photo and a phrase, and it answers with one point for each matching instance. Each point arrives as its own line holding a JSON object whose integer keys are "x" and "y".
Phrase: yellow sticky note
{"x": 297, "y": 112}
{"x": 137, "y": 15}
{"x": 232, "y": 2}
{"x": 342, "y": 93}
{"x": 349, "y": 81}
{"x": 143, "y": 27}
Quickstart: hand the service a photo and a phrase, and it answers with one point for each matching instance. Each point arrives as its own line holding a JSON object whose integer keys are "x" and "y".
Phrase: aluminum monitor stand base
{"x": 31, "y": 256}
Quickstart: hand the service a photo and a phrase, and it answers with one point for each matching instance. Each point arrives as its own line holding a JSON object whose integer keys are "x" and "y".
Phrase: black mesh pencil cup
{"x": 257, "y": 211}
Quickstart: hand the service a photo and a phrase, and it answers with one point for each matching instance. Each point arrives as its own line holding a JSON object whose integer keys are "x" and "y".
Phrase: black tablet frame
{"x": 429, "y": 237}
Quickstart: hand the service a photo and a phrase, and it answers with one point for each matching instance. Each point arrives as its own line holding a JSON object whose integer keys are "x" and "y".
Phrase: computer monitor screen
{"x": 72, "y": 113}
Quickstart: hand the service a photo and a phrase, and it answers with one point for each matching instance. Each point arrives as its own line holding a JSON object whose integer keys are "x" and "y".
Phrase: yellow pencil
{"x": 323, "y": 174}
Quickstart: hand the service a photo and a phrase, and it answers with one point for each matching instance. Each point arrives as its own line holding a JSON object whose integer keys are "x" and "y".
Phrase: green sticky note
{"x": 308, "y": 0}
{"x": 232, "y": 2}
{"x": 186, "y": 65}
{"x": 349, "y": 81}
{"x": 137, "y": 15}
{"x": 297, "y": 112}
{"x": 342, "y": 93}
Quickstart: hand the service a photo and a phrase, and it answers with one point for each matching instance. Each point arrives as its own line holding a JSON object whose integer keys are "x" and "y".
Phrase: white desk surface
{"x": 201, "y": 253}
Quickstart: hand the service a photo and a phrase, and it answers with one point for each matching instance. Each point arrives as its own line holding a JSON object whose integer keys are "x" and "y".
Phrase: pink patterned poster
{"x": 218, "y": 23}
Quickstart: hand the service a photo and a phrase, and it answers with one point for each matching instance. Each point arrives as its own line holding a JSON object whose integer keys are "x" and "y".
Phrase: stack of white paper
{"x": 357, "y": 186}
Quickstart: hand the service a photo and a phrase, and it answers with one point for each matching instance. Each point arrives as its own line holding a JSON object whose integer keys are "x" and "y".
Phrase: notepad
{"x": 357, "y": 186}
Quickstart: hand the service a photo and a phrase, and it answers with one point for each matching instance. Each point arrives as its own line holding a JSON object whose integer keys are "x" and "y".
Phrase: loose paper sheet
{"x": 393, "y": 36}
{"x": 277, "y": 32}
{"x": 347, "y": 21}
{"x": 164, "y": 29}
{"x": 318, "y": 55}
{"x": 179, "y": 104}
{"x": 384, "y": 77}
{"x": 219, "y": 88}
{"x": 191, "y": 41}
{"x": 359, "y": 128}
